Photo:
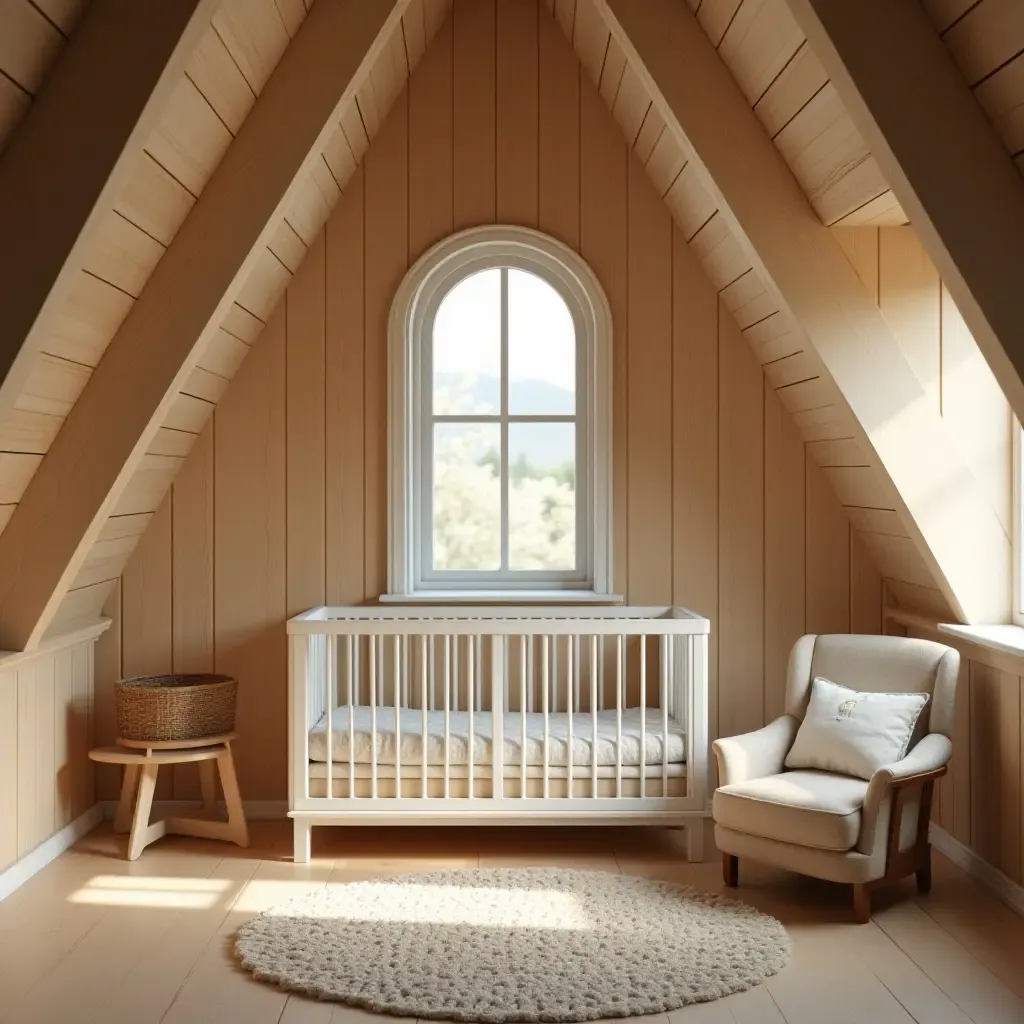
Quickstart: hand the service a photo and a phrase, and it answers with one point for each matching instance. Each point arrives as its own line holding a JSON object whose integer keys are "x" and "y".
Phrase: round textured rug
{"x": 533, "y": 944}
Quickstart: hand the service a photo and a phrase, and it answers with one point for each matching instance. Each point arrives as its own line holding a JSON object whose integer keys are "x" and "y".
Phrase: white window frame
{"x": 410, "y": 387}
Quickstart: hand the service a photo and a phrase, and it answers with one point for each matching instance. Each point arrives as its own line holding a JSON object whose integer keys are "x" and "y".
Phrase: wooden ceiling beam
{"x": 956, "y": 530}
{"x": 71, "y": 156}
{"x": 942, "y": 158}
{"x": 119, "y": 412}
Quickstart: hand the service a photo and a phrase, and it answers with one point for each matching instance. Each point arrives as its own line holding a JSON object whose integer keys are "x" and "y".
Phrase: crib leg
{"x": 695, "y": 840}
{"x": 303, "y": 830}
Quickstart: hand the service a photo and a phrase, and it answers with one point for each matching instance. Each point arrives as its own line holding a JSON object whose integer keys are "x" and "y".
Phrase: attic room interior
{"x": 510, "y": 510}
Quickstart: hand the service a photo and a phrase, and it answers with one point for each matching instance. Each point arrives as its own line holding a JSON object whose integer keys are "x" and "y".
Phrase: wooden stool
{"x": 142, "y": 761}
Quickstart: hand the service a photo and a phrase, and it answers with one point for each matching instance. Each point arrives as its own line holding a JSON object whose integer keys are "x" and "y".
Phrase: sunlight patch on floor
{"x": 136, "y": 891}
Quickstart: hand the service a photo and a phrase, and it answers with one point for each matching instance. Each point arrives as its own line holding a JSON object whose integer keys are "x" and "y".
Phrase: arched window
{"x": 500, "y": 421}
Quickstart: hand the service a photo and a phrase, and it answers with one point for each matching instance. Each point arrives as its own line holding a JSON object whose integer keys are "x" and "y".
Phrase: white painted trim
{"x": 255, "y": 810}
{"x": 992, "y": 878}
{"x": 91, "y": 631}
{"x": 33, "y": 862}
{"x": 415, "y": 301}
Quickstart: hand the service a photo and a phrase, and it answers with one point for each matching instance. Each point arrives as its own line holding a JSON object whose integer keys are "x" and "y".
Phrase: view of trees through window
{"x": 504, "y": 426}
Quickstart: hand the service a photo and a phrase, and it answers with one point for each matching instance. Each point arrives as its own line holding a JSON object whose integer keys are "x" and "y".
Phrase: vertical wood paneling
{"x": 192, "y": 578}
{"x": 865, "y": 589}
{"x": 107, "y": 672}
{"x": 289, "y": 482}
{"x": 474, "y": 105}
{"x": 517, "y": 136}
{"x": 649, "y": 395}
{"x": 386, "y": 248}
{"x": 695, "y": 507}
{"x": 8, "y": 766}
{"x": 147, "y": 637}
{"x": 784, "y": 540}
{"x": 604, "y": 216}
{"x": 828, "y": 557}
{"x": 430, "y": 149}
{"x": 343, "y": 362}
{"x": 741, "y": 534}
{"x": 305, "y": 424}
{"x": 559, "y": 138}
{"x": 249, "y": 558}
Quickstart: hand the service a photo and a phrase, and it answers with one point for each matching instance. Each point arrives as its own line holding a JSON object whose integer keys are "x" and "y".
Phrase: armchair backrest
{"x": 879, "y": 664}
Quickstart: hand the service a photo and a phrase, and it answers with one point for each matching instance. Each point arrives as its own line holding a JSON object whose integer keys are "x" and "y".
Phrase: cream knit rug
{"x": 535, "y": 944}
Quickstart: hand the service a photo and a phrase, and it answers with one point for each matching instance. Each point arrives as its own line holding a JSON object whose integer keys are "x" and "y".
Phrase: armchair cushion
{"x": 854, "y": 733}
{"x": 806, "y": 808}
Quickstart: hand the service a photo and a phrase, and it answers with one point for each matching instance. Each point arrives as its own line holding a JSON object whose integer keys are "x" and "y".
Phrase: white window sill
{"x": 1008, "y": 639}
{"x": 502, "y": 597}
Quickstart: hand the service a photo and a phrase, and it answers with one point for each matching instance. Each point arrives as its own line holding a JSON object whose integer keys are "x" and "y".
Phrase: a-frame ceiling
{"x": 772, "y": 67}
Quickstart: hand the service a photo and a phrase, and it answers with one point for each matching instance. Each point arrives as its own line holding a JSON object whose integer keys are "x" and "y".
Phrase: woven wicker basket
{"x": 182, "y": 707}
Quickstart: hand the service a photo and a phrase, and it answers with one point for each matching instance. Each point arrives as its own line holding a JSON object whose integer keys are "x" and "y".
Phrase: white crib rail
{"x": 417, "y": 668}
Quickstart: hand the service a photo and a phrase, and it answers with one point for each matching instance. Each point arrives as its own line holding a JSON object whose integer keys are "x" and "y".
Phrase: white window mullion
{"x": 504, "y": 421}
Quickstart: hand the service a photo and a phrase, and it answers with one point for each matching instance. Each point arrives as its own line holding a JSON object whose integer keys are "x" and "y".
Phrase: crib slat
{"x": 664, "y": 673}
{"x": 447, "y": 716}
{"x": 572, "y": 686}
{"x": 619, "y": 654}
{"x": 593, "y": 714}
{"x": 470, "y": 705}
{"x": 371, "y": 657}
{"x": 643, "y": 717}
{"x": 522, "y": 714}
{"x": 544, "y": 668}
{"x": 398, "y": 684}
{"x": 329, "y": 658}
{"x": 352, "y": 664}
{"x": 423, "y": 705}
{"x": 499, "y": 690}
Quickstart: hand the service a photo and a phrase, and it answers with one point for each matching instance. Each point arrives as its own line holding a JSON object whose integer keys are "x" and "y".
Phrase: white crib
{"x": 406, "y": 715}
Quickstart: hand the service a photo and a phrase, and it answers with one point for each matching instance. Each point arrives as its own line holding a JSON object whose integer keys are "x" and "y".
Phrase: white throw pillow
{"x": 854, "y": 733}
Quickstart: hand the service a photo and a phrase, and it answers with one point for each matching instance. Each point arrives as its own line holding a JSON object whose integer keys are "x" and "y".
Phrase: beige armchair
{"x": 834, "y": 826}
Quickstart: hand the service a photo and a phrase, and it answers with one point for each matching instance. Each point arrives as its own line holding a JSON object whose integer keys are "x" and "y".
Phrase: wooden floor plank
{"x": 95, "y": 937}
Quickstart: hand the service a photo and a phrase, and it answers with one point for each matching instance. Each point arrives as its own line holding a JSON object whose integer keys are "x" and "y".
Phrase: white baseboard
{"x": 992, "y": 878}
{"x": 255, "y": 810}
{"x": 22, "y": 870}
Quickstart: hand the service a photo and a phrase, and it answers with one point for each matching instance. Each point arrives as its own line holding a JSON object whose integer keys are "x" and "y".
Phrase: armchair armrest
{"x": 753, "y": 755}
{"x": 923, "y": 765}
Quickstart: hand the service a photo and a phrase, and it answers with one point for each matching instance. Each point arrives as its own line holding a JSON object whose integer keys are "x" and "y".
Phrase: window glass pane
{"x": 467, "y": 347}
{"x": 541, "y": 349}
{"x": 467, "y": 496}
{"x": 542, "y": 496}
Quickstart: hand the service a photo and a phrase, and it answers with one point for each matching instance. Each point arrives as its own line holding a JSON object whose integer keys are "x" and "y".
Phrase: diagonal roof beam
{"x": 113, "y": 422}
{"x": 944, "y": 511}
{"x": 71, "y": 156}
{"x": 942, "y": 158}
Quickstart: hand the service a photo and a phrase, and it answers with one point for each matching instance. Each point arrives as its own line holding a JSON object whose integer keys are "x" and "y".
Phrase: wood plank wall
{"x": 905, "y": 283}
{"x": 981, "y": 800}
{"x": 46, "y": 728}
{"x": 281, "y": 504}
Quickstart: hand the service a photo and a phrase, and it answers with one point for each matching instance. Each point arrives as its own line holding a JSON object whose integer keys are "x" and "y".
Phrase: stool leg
{"x": 232, "y": 799}
{"x": 208, "y": 786}
{"x": 140, "y": 821}
{"x": 129, "y": 783}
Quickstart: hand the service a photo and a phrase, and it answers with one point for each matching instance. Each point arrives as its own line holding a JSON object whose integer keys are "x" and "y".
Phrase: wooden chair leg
{"x": 924, "y": 870}
{"x": 861, "y": 903}
{"x": 142, "y": 834}
{"x": 239, "y": 830}
{"x": 129, "y": 784}
{"x": 730, "y": 870}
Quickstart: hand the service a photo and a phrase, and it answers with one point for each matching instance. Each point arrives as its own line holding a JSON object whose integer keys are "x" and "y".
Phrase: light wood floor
{"x": 95, "y": 938}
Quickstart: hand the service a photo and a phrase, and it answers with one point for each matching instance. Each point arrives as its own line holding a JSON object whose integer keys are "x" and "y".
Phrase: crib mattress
{"x": 410, "y": 721}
